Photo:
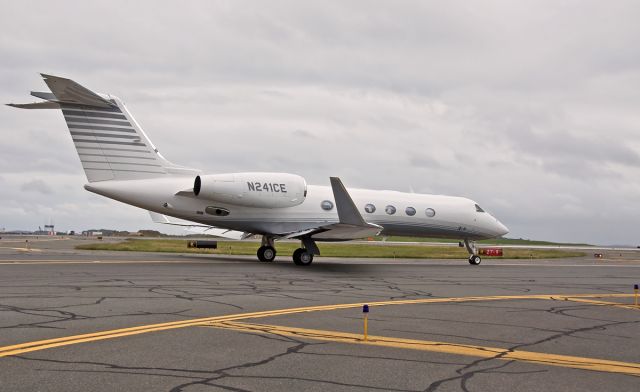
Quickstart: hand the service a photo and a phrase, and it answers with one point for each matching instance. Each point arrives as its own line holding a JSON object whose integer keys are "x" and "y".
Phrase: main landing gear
{"x": 302, "y": 256}
{"x": 267, "y": 252}
{"x": 474, "y": 259}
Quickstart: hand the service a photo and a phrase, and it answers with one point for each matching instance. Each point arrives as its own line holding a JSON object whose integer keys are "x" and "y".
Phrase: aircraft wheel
{"x": 266, "y": 253}
{"x": 474, "y": 260}
{"x": 302, "y": 257}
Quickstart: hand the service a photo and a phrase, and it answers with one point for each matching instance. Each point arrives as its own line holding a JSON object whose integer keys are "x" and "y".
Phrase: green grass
{"x": 326, "y": 249}
{"x": 493, "y": 241}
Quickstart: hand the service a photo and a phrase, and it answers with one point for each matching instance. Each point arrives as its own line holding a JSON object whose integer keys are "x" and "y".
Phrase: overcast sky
{"x": 530, "y": 108}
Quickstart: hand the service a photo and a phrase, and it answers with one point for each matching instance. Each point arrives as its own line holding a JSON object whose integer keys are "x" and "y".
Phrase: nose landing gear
{"x": 474, "y": 259}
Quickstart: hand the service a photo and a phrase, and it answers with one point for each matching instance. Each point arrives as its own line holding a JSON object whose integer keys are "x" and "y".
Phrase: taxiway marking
{"x": 601, "y": 365}
{"x": 604, "y": 303}
{"x": 38, "y": 345}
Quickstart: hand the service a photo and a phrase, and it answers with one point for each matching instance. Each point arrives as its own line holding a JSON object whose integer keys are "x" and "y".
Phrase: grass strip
{"x": 344, "y": 249}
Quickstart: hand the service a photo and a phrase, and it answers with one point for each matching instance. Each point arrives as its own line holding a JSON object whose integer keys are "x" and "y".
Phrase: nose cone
{"x": 501, "y": 229}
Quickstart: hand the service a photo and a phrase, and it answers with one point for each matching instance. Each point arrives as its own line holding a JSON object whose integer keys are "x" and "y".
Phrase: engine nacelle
{"x": 265, "y": 190}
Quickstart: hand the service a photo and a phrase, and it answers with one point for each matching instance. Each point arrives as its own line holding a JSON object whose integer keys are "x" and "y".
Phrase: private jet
{"x": 121, "y": 163}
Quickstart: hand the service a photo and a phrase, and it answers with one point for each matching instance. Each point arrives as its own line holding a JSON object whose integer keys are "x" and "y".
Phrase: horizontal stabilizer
{"x": 44, "y": 95}
{"x": 68, "y": 91}
{"x": 35, "y": 105}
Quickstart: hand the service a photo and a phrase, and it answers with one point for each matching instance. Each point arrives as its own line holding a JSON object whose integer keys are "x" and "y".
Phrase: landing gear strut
{"x": 474, "y": 259}
{"x": 267, "y": 252}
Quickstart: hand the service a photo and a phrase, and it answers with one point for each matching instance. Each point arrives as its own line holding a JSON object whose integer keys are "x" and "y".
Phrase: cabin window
{"x": 327, "y": 205}
{"x": 479, "y": 209}
{"x": 390, "y": 209}
{"x": 430, "y": 212}
{"x": 410, "y": 211}
{"x": 370, "y": 208}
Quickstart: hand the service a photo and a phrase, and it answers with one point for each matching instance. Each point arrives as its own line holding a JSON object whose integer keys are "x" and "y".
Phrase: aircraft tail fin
{"x": 110, "y": 143}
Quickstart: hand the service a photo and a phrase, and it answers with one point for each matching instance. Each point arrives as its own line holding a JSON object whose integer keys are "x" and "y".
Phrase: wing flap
{"x": 338, "y": 232}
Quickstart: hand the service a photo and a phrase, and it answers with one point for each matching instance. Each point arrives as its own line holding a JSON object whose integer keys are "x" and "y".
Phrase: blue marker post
{"x": 365, "y": 310}
{"x": 635, "y": 289}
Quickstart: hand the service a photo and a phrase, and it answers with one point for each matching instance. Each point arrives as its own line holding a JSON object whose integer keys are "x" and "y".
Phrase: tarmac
{"x": 99, "y": 321}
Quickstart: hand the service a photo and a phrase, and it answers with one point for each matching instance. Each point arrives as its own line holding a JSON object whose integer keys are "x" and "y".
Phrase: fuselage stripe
{"x": 107, "y": 142}
{"x": 100, "y": 128}
{"x": 85, "y": 120}
{"x": 93, "y": 114}
{"x": 115, "y": 156}
{"x": 122, "y": 163}
{"x": 113, "y": 136}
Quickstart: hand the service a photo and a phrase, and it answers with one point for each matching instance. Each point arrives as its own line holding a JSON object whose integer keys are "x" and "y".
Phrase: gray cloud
{"x": 528, "y": 108}
{"x": 37, "y": 186}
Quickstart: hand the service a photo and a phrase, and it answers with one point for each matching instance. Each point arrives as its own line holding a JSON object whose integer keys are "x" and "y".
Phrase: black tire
{"x": 475, "y": 260}
{"x": 302, "y": 257}
{"x": 266, "y": 253}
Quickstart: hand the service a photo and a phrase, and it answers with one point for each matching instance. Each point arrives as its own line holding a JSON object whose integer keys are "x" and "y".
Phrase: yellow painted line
{"x": 605, "y": 303}
{"x": 116, "y": 333}
{"x": 601, "y": 365}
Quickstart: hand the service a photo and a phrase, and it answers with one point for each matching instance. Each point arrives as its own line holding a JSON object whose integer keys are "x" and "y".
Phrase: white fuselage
{"x": 452, "y": 217}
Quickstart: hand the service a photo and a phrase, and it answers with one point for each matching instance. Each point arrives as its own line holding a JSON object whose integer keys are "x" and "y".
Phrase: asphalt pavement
{"x": 100, "y": 321}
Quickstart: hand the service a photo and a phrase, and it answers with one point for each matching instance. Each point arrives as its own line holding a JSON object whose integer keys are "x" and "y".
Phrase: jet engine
{"x": 264, "y": 190}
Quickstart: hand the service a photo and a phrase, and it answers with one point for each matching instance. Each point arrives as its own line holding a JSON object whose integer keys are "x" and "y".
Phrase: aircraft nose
{"x": 501, "y": 229}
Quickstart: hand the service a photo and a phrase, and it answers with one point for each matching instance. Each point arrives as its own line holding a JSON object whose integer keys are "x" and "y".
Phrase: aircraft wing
{"x": 198, "y": 228}
{"x": 351, "y": 224}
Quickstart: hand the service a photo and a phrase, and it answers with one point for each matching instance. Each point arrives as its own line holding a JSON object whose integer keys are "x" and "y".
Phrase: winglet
{"x": 347, "y": 211}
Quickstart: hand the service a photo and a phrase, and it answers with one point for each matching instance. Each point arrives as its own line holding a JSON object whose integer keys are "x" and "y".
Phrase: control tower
{"x": 50, "y": 229}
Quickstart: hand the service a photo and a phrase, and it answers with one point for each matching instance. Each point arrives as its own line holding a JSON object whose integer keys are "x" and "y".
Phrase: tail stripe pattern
{"x": 110, "y": 143}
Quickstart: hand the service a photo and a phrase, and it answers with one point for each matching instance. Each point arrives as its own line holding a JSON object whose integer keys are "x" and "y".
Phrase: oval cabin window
{"x": 430, "y": 212}
{"x": 390, "y": 209}
{"x": 370, "y": 208}
{"x": 327, "y": 205}
{"x": 410, "y": 211}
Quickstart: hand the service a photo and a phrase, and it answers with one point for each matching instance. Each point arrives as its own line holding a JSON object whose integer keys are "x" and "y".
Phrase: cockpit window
{"x": 479, "y": 209}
